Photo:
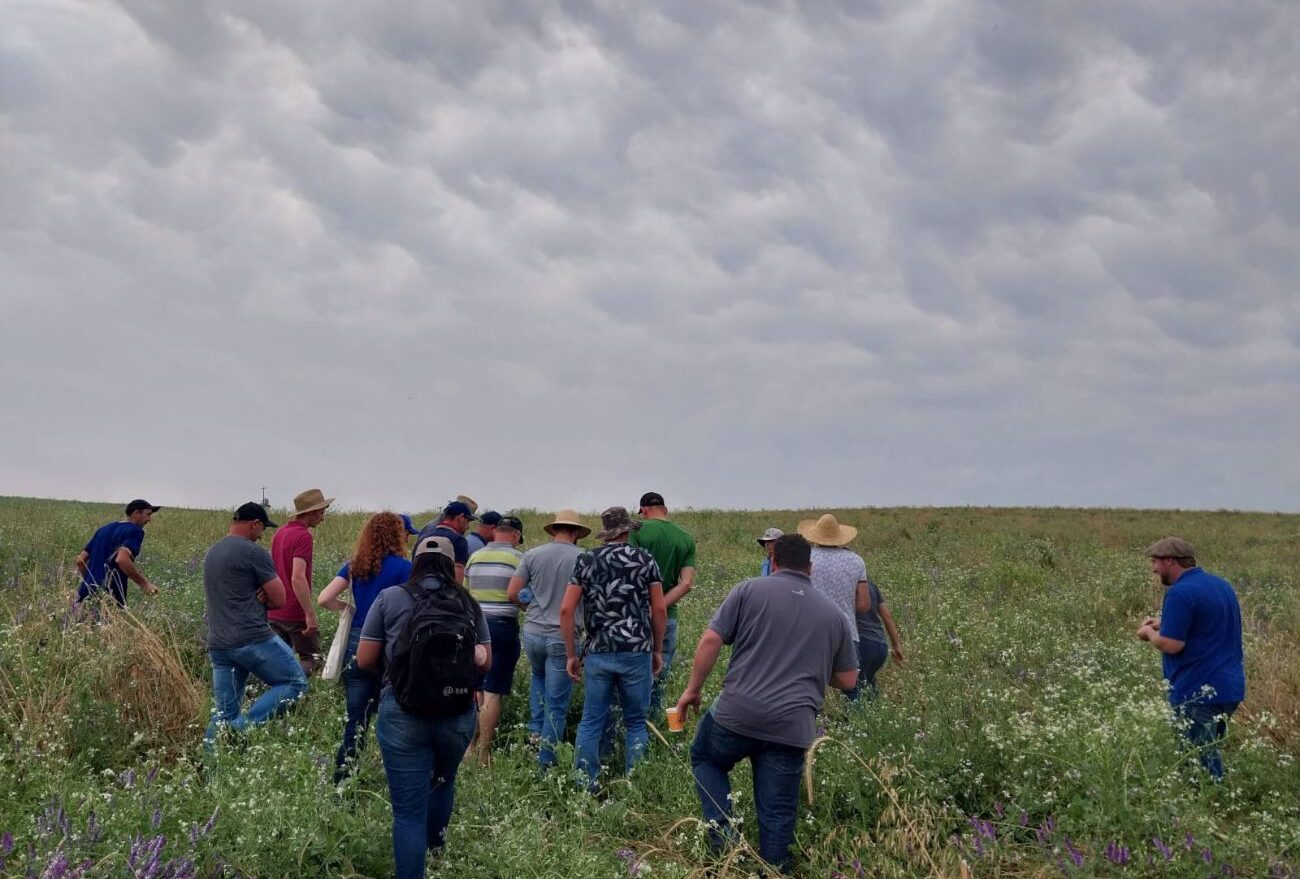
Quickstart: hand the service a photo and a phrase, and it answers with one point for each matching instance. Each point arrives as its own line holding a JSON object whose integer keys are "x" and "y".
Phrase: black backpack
{"x": 432, "y": 671}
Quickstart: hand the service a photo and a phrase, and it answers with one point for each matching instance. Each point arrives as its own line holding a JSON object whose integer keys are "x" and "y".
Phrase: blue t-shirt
{"x": 102, "y": 571}
{"x": 458, "y": 543}
{"x": 394, "y": 571}
{"x": 1201, "y": 610}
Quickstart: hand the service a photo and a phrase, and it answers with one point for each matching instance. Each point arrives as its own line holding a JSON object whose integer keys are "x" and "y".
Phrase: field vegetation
{"x": 1026, "y": 734}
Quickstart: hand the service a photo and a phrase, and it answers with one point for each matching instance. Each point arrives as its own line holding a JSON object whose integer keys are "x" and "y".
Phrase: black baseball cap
{"x": 254, "y": 512}
{"x": 652, "y": 499}
{"x": 491, "y": 517}
{"x": 511, "y": 522}
{"x": 139, "y": 504}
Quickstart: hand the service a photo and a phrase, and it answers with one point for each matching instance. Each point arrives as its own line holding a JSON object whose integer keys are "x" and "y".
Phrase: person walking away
{"x": 418, "y": 634}
{"x": 877, "y": 640}
{"x": 788, "y": 642}
{"x": 545, "y": 571}
{"x": 291, "y": 549}
{"x": 621, "y": 592}
{"x": 488, "y": 577}
{"x": 838, "y": 572}
{"x": 452, "y": 524}
{"x": 673, "y": 549}
{"x": 107, "y": 561}
{"x": 485, "y": 533}
{"x": 766, "y": 541}
{"x": 378, "y": 562}
{"x": 239, "y": 583}
{"x": 1199, "y": 637}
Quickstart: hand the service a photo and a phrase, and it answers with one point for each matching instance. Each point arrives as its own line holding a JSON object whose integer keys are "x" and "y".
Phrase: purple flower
{"x": 7, "y": 842}
{"x": 153, "y": 773}
{"x": 625, "y": 854}
{"x": 1164, "y": 850}
{"x": 984, "y": 828}
{"x": 1117, "y": 854}
{"x": 1189, "y": 841}
{"x": 1207, "y": 855}
{"x": 57, "y": 868}
{"x": 155, "y": 820}
{"x": 127, "y": 778}
{"x": 1076, "y": 856}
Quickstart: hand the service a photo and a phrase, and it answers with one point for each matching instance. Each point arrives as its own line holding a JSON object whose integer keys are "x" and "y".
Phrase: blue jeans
{"x": 361, "y": 689}
{"x": 421, "y": 757}
{"x": 670, "y": 650}
{"x": 273, "y": 662}
{"x": 549, "y": 692}
{"x": 777, "y": 769}
{"x": 605, "y": 674}
{"x": 1206, "y": 726}
{"x": 871, "y": 659}
{"x": 500, "y": 677}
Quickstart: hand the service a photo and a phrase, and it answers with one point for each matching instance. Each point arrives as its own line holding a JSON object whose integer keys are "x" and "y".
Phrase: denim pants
{"x": 626, "y": 674}
{"x": 670, "y": 651}
{"x": 871, "y": 659}
{"x": 777, "y": 769}
{"x": 421, "y": 757}
{"x": 361, "y": 690}
{"x": 549, "y": 692}
{"x": 273, "y": 662}
{"x": 1205, "y": 725}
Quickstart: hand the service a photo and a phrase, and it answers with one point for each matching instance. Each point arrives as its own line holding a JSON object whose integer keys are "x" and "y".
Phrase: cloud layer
{"x": 761, "y": 255}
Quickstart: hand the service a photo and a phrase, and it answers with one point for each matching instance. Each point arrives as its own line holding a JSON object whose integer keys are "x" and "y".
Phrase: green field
{"x": 1025, "y": 735}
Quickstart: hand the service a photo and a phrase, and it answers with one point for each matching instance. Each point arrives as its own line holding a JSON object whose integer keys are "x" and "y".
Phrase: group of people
{"x": 432, "y": 625}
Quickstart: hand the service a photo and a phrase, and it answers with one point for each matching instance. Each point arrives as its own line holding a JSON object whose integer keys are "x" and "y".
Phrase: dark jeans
{"x": 777, "y": 769}
{"x": 421, "y": 758}
{"x": 871, "y": 659}
{"x": 361, "y": 689}
{"x": 1205, "y": 725}
{"x": 670, "y": 651}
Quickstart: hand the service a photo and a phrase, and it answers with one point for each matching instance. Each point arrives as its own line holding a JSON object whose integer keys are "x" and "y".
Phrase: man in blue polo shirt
{"x": 108, "y": 560}
{"x": 452, "y": 524}
{"x": 1199, "y": 635}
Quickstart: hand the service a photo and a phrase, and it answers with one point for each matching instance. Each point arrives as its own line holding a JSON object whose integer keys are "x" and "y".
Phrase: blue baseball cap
{"x": 458, "y": 508}
{"x": 410, "y": 526}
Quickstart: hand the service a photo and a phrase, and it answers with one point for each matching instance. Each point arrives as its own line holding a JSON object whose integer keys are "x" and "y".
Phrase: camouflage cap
{"x": 1171, "y": 548}
{"x": 615, "y": 521}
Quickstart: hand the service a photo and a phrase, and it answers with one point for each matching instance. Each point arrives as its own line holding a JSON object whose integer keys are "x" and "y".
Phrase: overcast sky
{"x": 745, "y": 254}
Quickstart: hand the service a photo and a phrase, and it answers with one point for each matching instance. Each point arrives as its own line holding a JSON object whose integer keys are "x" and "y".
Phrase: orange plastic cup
{"x": 674, "y": 720}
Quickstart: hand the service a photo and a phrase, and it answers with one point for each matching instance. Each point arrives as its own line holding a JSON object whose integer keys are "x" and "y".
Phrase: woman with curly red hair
{"x": 378, "y": 562}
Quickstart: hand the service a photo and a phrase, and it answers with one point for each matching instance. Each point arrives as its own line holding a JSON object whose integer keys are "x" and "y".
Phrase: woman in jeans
{"x": 378, "y": 562}
{"x": 421, "y": 754}
{"x": 873, "y": 649}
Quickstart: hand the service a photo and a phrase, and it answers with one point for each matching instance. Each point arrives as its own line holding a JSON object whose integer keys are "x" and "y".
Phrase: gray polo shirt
{"x": 787, "y": 639}
{"x": 233, "y": 570}
{"x": 547, "y": 570}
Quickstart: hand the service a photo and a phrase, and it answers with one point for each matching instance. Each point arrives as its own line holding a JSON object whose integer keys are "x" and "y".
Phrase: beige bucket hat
{"x": 570, "y": 518}
{"x": 826, "y": 531}
{"x": 310, "y": 501}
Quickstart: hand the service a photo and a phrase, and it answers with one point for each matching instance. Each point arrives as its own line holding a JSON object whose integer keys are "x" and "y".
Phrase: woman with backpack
{"x": 378, "y": 562}
{"x": 431, "y": 639}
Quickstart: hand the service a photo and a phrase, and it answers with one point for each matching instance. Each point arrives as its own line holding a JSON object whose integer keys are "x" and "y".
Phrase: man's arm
{"x": 862, "y": 597}
{"x": 125, "y": 563}
{"x": 271, "y": 593}
{"x": 517, "y": 584}
{"x": 460, "y": 574}
{"x": 81, "y": 561}
{"x": 658, "y": 626}
{"x": 302, "y": 591}
{"x": 706, "y": 656}
{"x": 568, "y": 608}
{"x": 895, "y": 642}
{"x": 685, "y": 580}
{"x": 369, "y": 654}
{"x": 1149, "y": 632}
{"x": 844, "y": 680}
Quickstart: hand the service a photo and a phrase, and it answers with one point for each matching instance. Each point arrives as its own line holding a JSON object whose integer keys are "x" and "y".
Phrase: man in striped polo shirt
{"x": 487, "y": 575}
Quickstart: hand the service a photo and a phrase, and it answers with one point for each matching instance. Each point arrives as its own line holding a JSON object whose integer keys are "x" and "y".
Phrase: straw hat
{"x": 310, "y": 501}
{"x": 826, "y": 531}
{"x": 570, "y": 518}
{"x": 468, "y": 501}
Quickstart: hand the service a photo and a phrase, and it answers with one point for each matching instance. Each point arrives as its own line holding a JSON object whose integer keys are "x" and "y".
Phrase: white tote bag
{"x": 339, "y": 646}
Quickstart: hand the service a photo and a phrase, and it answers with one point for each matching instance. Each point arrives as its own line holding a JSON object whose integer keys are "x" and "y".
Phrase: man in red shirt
{"x": 291, "y": 550}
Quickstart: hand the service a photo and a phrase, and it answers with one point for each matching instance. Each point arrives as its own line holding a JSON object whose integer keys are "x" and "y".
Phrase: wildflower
{"x": 1117, "y": 854}
{"x": 1076, "y": 856}
{"x": 57, "y": 868}
{"x": 7, "y": 842}
{"x": 1207, "y": 855}
{"x": 1164, "y": 850}
{"x": 155, "y": 820}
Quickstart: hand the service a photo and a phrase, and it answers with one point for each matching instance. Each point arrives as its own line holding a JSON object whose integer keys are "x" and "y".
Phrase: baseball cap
{"x": 254, "y": 512}
{"x": 510, "y": 522}
{"x": 440, "y": 545}
{"x": 1171, "y": 548}
{"x": 458, "y": 508}
{"x": 652, "y": 499}
{"x": 491, "y": 517}
{"x": 140, "y": 504}
{"x": 410, "y": 526}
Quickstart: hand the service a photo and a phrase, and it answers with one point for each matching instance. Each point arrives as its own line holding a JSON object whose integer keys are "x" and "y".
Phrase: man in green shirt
{"x": 673, "y": 549}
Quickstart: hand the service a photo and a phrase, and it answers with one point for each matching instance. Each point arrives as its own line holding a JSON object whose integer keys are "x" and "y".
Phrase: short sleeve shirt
{"x": 1201, "y": 610}
{"x": 292, "y": 541}
{"x": 547, "y": 570}
{"x": 870, "y": 626}
{"x": 394, "y": 571}
{"x": 390, "y": 611}
{"x": 836, "y": 572}
{"x": 672, "y": 546}
{"x": 233, "y": 570}
{"x": 102, "y": 570}
{"x": 459, "y": 545}
{"x": 615, "y": 580}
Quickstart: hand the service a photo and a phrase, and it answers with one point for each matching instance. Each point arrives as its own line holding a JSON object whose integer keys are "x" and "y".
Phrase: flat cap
{"x": 1171, "y": 548}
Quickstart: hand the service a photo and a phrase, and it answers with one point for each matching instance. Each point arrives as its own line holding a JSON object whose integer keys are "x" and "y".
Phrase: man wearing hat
{"x": 545, "y": 571}
{"x": 291, "y": 549}
{"x": 484, "y": 533}
{"x": 1199, "y": 636}
{"x": 487, "y": 577}
{"x": 767, "y": 541}
{"x": 452, "y": 524}
{"x": 108, "y": 559}
{"x": 621, "y": 592}
{"x": 837, "y": 571}
{"x": 239, "y": 583}
{"x": 673, "y": 549}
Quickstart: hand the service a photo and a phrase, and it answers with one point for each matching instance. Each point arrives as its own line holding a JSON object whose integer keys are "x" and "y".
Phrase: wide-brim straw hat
{"x": 310, "y": 501}
{"x": 827, "y": 531}
{"x": 570, "y": 518}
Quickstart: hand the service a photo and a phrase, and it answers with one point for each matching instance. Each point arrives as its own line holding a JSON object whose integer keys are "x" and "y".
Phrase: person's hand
{"x": 1153, "y": 622}
{"x": 689, "y": 699}
{"x": 1144, "y": 631}
{"x": 309, "y": 625}
{"x": 261, "y": 595}
{"x": 573, "y": 665}
{"x": 656, "y": 663}
{"x": 149, "y": 588}
{"x": 897, "y": 653}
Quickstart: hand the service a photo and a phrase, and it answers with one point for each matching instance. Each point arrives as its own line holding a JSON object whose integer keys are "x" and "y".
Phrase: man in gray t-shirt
{"x": 788, "y": 642}
{"x": 545, "y": 571}
{"x": 239, "y": 583}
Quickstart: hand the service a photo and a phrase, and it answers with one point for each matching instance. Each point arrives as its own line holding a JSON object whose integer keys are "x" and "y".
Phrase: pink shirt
{"x": 292, "y": 541}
